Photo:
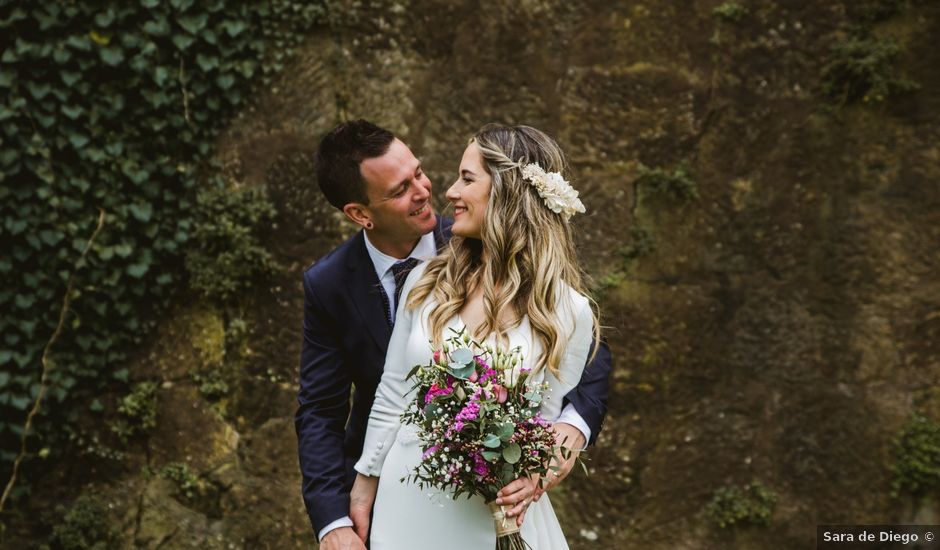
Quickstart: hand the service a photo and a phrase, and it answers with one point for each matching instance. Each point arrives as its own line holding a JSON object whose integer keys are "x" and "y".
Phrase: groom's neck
{"x": 395, "y": 247}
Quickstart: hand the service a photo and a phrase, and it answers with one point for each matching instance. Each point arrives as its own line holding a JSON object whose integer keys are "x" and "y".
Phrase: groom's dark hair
{"x": 339, "y": 155}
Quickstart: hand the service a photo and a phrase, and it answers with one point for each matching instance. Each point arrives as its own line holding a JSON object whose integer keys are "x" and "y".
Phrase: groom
{"x": 349, "y": 307}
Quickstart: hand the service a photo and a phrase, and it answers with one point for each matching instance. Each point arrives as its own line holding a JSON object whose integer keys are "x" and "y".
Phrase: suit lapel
{"x": 364, "y": 288}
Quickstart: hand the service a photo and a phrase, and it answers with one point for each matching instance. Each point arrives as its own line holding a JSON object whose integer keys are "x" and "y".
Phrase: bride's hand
{"x": 361, "y": 498}
{"x": 518, "y": 494}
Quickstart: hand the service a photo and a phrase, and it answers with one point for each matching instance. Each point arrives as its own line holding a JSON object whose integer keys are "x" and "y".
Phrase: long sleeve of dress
{"x": 391, "y": 395}
{"x": 581, "y": 336}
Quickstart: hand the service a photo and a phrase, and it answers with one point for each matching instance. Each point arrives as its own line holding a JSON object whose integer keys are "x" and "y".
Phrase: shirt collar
{"x": 424, "y": 250}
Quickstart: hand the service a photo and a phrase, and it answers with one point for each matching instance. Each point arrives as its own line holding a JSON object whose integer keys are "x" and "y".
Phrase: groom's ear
{"x": 358, "y": 213}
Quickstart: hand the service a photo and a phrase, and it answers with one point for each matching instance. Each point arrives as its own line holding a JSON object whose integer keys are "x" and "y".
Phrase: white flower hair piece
{"x": 557, "y": 193}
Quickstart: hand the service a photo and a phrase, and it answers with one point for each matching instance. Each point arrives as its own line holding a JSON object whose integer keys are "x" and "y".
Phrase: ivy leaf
{"x": 160, "y": 75}
{"x": 6, "y": 79}
{"x": 61, "y": 55}
{"x": 70, "y": 78}
{"x": 100, "y": 39}
{"x": 114, "y": 148}
{"x": 182, "y": 41}
{"x": 137, "y": 270}
{"x": 72, "y": 111}
{"x": 105, "y": 19}
{"x": 78, "y": 140}
{"x": 141, "y": 211}
{"x": 79, "y": 42}
{"x": 233, "y": 28}
{"x": 193, "y": 23}
{"x": 19, "y": 402}
{"x": 225, "y": 81}
{"x": 112, "y": 56}
{"x": 38, "y": 90}
{"x": 158, "y": 27}
{"x": 50, "y": 237}
{"x": 123, "y": 250}
{"x": 150, "y": 3}
{"x": 206, "y": 62}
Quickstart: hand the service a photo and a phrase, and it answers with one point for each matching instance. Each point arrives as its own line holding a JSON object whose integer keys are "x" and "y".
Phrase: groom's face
{"x": 399, "y": 194}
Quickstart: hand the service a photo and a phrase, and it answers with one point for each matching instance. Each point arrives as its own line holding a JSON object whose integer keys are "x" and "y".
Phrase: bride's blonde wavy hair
{"x": 530, "y": 251}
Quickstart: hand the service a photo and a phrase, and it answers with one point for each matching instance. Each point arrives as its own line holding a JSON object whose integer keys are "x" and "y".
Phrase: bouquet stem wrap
{"x": 507, "y": 532}
{"x": 504, "y": 525}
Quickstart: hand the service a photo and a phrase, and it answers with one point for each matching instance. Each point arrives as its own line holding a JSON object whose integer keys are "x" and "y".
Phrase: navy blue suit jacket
{"x": 345, "y": 337}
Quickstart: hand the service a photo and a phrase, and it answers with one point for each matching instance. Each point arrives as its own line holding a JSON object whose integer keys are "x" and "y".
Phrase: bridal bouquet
{"x": 477, "y": 418}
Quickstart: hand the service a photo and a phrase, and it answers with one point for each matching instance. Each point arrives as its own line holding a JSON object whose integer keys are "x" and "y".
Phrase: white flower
{"x": 557, "y": 193}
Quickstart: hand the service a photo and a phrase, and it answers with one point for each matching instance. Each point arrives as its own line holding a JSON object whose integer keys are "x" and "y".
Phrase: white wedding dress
{"x": 408, "y": 518}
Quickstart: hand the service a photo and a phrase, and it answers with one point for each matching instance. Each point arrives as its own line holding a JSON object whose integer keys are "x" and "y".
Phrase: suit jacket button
{"x": 381, "y": 444}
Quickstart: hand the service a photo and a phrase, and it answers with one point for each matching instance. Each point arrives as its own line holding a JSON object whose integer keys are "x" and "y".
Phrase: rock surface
{"x": 782, "y": 328}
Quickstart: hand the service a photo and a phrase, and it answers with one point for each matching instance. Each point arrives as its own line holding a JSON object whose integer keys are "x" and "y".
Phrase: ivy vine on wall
{"x": 110, "y": 105}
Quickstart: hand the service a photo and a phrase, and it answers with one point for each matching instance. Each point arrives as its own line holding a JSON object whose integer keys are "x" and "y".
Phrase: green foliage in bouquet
{"x": 111, "y": 106}
{"x": 752, "y": 503}
{"x": 917, "y": 458}
{"x": 477, "y": 416}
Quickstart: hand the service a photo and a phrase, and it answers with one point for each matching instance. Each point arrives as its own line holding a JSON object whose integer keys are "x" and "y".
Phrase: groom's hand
{"x": 571, "y": 438}
{"x": 361, "y": 499}
{"x": 342, "y": 538}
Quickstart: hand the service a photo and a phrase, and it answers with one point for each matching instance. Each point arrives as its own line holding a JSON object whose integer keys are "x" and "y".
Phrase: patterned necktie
{"x": 400, "y": 272}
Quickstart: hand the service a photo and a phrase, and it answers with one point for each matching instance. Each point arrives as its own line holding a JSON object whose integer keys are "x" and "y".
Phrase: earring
{"x": 368, "y": 225}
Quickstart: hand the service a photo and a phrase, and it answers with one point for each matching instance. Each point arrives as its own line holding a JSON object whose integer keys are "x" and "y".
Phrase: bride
{"x": 510, "y": 276}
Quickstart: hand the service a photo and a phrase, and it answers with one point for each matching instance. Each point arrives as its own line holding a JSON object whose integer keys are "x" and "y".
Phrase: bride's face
{"x": 470, "y": 194}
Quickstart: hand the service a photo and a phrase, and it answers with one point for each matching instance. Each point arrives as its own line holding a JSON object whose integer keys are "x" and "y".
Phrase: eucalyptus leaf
{"x": 505, "y": 430}
{"x": 512, "y": 453}
{"x": 490, "y": 456}
{"x": 461, "y": 372}
{"x": 492, "y": 441}
{"x": 464, "y": 356}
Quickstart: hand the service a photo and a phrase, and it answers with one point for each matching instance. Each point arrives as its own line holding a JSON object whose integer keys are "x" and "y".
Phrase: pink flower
{"x": 435, "y": 391}
{"x": 437, "y": 356}
{"x": 502, "y": 394}
{"x": 431, "y": 450}
{"x": 473, "y": 376}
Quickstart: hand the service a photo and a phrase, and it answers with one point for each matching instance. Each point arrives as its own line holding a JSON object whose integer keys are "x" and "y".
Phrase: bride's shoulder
{"x": 571, "y": 301}
{"x": 568, "y": 296}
